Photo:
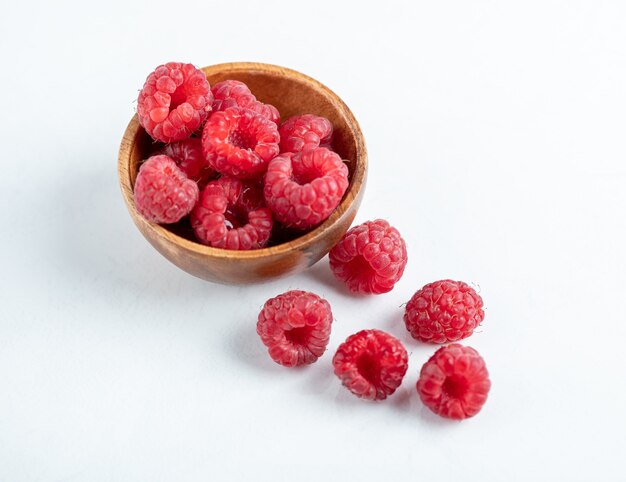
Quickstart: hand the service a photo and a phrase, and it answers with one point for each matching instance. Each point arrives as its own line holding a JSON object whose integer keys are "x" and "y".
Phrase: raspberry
{"x": 443, "y": 311}
{"x": 303, "y": 189}
{"x": 371, "y": 364}
{"x": 233, "y": 93}
{"x": 174, "y": 101}
{"x": 267, "y": 110}
{"x": 163, "y": 194}
{"x": 188, "y": 156}
{"x": 231, "y": 215}
{"x": 304, "y": 132}
{"x": 454, "y": 382}
{"x": 239, "y": 142}
{"x": 295, "y": 327}
{"x": 370, "y": 258}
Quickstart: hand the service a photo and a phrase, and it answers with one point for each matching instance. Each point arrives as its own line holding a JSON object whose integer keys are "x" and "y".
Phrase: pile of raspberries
{"x": 229, "y": 164}
{"x": 245, "y": 172}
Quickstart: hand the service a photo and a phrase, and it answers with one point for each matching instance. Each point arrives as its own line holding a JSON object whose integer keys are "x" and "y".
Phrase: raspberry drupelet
{"x": 303, "y": 189}
{"x": 174, "y": 101}
{"x": 231, "y": 214}
{"x": 233, "y": 93}
{"x": 239, "y": 142}
{"x": 371, "y": 364}
{"x": 370, "y": 258}
{"x": 188, "y": 156}
{"x": 454, "y": 382}
{"x": 295, "y": 327}
{"x": 305, "y": 132}
{"x": 163, "y": 194}
{"x": 444, "y": 311}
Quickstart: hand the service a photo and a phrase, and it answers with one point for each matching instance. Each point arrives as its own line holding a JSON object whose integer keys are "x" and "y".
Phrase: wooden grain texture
{"x": 292, "y": 93}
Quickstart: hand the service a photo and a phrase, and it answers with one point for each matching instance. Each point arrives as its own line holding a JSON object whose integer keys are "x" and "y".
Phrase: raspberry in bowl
{"x": 277, "y": 91}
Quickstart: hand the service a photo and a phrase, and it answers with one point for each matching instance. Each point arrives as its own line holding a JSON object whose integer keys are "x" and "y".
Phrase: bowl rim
{"x": 356, "y": 182}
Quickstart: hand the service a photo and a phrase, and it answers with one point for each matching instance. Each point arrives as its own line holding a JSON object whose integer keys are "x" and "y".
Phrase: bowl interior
{"x": 292, "y": 94}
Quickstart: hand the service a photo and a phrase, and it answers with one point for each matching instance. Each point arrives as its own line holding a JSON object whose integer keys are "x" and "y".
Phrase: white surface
{"x": 496, "y": 140}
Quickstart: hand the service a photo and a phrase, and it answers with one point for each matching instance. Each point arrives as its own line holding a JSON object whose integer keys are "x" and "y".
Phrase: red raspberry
{"x": 295, "y": 327}
{"x": 239, "y": 142}
{"x": 443, "y": 311}
{"x": 267, "y": 110}
{"x": 231, "y": 214}
{"x": 233, "y": 93}
{"x": 174, "y": 101}
{"x": 370, "y": 258}
{"x": 304, "y": 132}
{"x": 303, "y": 189}
{"x": 454, "y": 382}
{"x": 371, "y": 364}
{"x": 163, "y": 194}
{"x": 188, "y": 156}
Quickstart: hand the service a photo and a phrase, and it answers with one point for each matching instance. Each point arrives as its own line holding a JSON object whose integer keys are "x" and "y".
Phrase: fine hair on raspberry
{"x": 370, "y": 258}
{"x": 239, "y": 142}
{"x": 162, "y": 191}
{"x": 174, "y": 101}
{"x": 454, "y": 382}
{"x": 303, "y": 189}
{"x": 444, "y": 311}
{"x": 231, "y": 214}
{"x": 295, "y": 327}
{"x": 371, "y": 364}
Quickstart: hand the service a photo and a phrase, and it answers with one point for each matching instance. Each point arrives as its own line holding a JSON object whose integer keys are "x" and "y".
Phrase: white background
{"x": 496, "y": 133}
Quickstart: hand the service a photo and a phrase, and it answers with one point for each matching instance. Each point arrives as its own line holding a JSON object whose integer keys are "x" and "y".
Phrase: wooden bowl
{"x": 292, "y": 93}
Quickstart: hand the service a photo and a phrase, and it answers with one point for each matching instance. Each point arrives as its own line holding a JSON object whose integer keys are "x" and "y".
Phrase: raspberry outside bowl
{"x": 292, "y": 93}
